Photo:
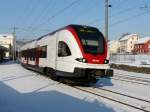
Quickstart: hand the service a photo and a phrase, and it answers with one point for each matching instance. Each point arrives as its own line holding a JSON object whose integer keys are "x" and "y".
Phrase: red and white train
{"x": 75, "y": 51}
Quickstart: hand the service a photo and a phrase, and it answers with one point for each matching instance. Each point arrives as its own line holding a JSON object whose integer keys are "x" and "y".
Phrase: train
{"x": 76, "y": 52}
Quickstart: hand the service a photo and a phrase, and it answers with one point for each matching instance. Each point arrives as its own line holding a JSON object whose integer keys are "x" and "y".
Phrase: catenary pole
{"x": 14, "y": 43}
{"x": 106, "y": 19}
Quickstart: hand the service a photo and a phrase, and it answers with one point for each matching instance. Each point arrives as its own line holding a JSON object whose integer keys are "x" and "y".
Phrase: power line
{"x": 146, "y": 8}
{"x": 56, "y": 14}
{"x": 117, "y": 5}
{"x": 26, "y": 30}
{"x": 29, "y": 29}
{"x": 44, "y": 11}
{"x": 114, "y": 15}
{"x": 84, "y": 12}
{"x": 129, "y": 18}
{"x": 27, "y": 11}
{"x": 37, "y": 27}
{"x": 32, "y": 13}
{"x": 27, "y": 6}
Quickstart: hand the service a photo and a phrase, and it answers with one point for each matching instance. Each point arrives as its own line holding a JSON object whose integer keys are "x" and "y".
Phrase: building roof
{"x": 142, "y": 40}
{"x": 6, "y": 36}
{"x": 112, "y": 42}
{"x": 127, "y": 37}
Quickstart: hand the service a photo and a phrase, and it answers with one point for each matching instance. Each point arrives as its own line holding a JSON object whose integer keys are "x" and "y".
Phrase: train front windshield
{"x": 92, "y": 40}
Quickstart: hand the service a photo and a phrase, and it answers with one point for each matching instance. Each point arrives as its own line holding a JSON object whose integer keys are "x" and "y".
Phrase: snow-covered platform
{"x": 22, "y": 90}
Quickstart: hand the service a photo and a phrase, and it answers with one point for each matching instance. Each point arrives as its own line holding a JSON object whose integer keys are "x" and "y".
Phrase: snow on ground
{"x": 22, "y": 90}
{"x": 132, "y": 89}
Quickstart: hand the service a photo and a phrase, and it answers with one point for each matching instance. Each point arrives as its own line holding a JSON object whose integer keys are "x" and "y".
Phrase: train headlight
{"x": 81, "y": 60}
{"x": 106, "y": 61}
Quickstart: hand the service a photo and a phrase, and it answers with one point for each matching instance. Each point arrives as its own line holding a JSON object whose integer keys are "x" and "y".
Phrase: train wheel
{"x": 52, "y": 74}
{"x": 91, "y": 79}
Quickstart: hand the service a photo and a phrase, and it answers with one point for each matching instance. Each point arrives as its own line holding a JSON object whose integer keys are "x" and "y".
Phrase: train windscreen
{"x": 91, "y": 38}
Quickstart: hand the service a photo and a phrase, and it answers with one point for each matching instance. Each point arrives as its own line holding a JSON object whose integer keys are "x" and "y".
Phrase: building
{"x": 6, "y": 40}
{"x": 113, "y": 46}
{"x": 142, "y": 46}
{"x": 127, "y": 43}
{"x": 2, "y": 52}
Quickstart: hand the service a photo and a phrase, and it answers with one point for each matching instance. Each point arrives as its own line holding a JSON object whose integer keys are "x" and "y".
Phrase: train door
{"x": 27, "y": 57}
{"x": 63, "y": 57}
{"x": 37, "y": 52}
{"x": 27, "y": 60}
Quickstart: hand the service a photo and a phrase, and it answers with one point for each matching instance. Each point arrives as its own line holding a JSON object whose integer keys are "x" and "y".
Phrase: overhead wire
{"x": 28, "y": 12}
{"x": 51, "y": 3}
{"x": 85, "y": 12}
{"x": 116, "y": 14}
{"x": 56, "y": 14}
{"x": 119, "y": 4}
{"x": 129, "y": 18}
{"x": 59, "y": 12}
{"x": 45, "y": 10}
{"x": 27, "y": 5}
{"x": 116, "y": 6}
{"x": 32, "y": 14}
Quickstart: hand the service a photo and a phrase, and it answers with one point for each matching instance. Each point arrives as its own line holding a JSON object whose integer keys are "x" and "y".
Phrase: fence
{"x": 130, "y": 58}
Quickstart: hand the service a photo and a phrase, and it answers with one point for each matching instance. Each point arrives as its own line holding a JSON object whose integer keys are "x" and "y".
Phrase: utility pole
{"x": 14, "y": 43}
{"x": 106, "y": 19}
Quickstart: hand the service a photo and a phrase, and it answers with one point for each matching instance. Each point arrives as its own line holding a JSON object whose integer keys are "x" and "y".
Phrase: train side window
{"x": 63, "y": 49}
{"x": 43, "y": 52}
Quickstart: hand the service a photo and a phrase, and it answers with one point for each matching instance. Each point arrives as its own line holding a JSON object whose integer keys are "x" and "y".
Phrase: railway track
{"x": 132, "y": 79}
{"x": 130, "y": 101}
{"x": 143, "y": 79}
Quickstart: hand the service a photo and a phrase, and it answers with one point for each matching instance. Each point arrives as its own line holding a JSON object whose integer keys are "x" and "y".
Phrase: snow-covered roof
{"x": 112, "y": 42}
{"x": 142, "y": 40}
{"x": 6, "y": 36}
{"x": 127, "y": 37}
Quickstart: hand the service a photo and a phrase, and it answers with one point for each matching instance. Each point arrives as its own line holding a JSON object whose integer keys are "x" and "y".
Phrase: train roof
{"x": 71, "y": 25}
{"x": 75, "y": 26}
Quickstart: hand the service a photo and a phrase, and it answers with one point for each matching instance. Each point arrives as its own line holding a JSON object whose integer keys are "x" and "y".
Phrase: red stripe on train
{"x": 91, "y": 58}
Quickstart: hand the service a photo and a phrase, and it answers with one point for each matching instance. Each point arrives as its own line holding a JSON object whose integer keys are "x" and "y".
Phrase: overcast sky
{"x": 34, "y": 18}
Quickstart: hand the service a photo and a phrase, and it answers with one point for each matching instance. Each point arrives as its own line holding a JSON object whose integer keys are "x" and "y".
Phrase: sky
{"x": 34, "y": 18}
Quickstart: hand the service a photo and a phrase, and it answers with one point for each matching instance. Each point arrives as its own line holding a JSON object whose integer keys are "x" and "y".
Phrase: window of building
{"x": 63, "y": 49}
